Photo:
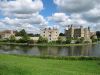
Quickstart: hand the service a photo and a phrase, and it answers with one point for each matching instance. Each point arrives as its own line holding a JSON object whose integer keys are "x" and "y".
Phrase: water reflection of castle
{"x": 66, "y": 51}
{"x": 86, "y": 50}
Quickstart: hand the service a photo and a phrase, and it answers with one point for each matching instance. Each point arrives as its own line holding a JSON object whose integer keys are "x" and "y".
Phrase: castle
{"x": 80, "y": 32}
{"x": 6, "y": 34}
{"x": 51, "y": 34}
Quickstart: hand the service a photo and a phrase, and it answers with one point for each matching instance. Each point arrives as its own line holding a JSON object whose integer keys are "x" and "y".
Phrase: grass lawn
{"x": 20, "y": 65}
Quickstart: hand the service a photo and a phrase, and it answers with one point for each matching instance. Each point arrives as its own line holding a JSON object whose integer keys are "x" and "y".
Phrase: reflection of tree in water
{"x": 80, "y": 50}
{"x": 84, "y": 50}
{"x": 43, "y": 50}
{"x": 12, "y": 47}
{"x": 49, "y": 51}
{"x": 62, "y": 51}
{"x": 54, "y": 51}
{"x": 25, "y": 48}
{"x": 70, "y": 50}
{"x": 5, "y": 47}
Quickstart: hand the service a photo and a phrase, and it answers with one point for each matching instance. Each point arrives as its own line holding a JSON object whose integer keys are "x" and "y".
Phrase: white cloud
{"x": 23, "y": 14}
{"x": 58, "y": 17}
{"x": 85, "y": 12}
{"x": 93, "y": 15}
{"x": 74, "y": 6}
{"x": 21, "y": 6}
{"x": 62, "y": 19}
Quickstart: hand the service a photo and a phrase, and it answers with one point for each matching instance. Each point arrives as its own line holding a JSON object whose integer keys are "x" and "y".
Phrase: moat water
{"x": 85, "y": 50}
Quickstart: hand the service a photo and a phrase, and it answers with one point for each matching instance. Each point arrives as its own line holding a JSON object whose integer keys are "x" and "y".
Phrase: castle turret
{"x": 81, "y": 31}
{"x": 89, "y": 28}
{"x": 68, "y": 26}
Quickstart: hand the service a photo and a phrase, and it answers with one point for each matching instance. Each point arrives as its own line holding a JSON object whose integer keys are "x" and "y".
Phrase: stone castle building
{"x": 6, "y": 34}
{"x": 51, "y": 34}
{"x": 80, "y": 32}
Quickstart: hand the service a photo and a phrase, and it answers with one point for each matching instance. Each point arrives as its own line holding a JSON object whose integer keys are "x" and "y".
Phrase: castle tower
{"x": 72, "y": 31}
{"x": 87, "y": 34}
{"x": 81, "y": 31}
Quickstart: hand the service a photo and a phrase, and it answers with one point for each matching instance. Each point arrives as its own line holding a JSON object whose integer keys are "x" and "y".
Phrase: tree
{"x": 21, "y": 33}
{"x": 42, "y": 40}
{"x": 68, "y": 40}
{"x": 60, "y": 40}
{"x": 12, "y": 38}
{"x": 61, "y": 34}
{"x": 98, "y": 34}
{"x": 80, "y": 40}
{"x": 94, "y": 38}
{"x": 24, "y": 39}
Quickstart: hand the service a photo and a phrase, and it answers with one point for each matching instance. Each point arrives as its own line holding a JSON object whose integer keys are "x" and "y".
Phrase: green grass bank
{"x": 25, "y": 65}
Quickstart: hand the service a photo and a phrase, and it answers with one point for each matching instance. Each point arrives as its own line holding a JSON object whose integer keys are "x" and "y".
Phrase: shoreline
{"x": 64, "y": 45}
{"x": 56, "y": 57}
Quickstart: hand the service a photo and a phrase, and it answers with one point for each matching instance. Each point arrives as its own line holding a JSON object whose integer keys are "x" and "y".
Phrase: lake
{"x": 85, "y": 50}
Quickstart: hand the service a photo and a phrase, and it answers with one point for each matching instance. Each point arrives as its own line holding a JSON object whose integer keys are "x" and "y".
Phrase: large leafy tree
{"x": 98, "y": 34}
{"x": 21, "y": 33}
{"x": 25, "y": 38}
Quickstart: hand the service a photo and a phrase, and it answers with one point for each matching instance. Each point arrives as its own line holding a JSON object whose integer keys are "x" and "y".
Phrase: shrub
{"x": 42, "y": 40}
{"x": 60, "y": 40}
{"x": 80, "y": 40}
{"x": 12, "y": 38}
{"x": 68, "y": 41}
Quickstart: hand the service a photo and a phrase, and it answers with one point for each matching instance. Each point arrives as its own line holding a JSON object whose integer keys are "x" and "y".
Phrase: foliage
{"x": 98, "y": 34}
{"x": 42, "y": 40}
{"x": 12, "y": 38}
{"x": 60, "y": 40}
{"x": 52, "y": 42}
{"x": 86, "y": 42}
{"x": 98, "y": 39}
{"x": 24, "y": 39}
{"x": 94, "y": 39}
{"x": 21, "y": 33}
{"x": 61, "y": 34}
{"x": 68, "y": 40}
{"x": 80, "y": 40}
{"x": 34, "y": 35}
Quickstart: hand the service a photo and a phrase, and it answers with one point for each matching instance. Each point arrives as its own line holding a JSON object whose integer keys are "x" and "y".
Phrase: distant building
{"x": 80, "y": 32}
{"x": 6, "y": 34}
{"x": 51, "y": 34}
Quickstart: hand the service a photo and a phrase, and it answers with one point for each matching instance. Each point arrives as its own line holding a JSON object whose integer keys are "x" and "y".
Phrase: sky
{"x": 34, "y": 15}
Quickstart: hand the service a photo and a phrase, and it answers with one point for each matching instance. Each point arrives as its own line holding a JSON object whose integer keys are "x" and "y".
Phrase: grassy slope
{"x": 17, "y": 65}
